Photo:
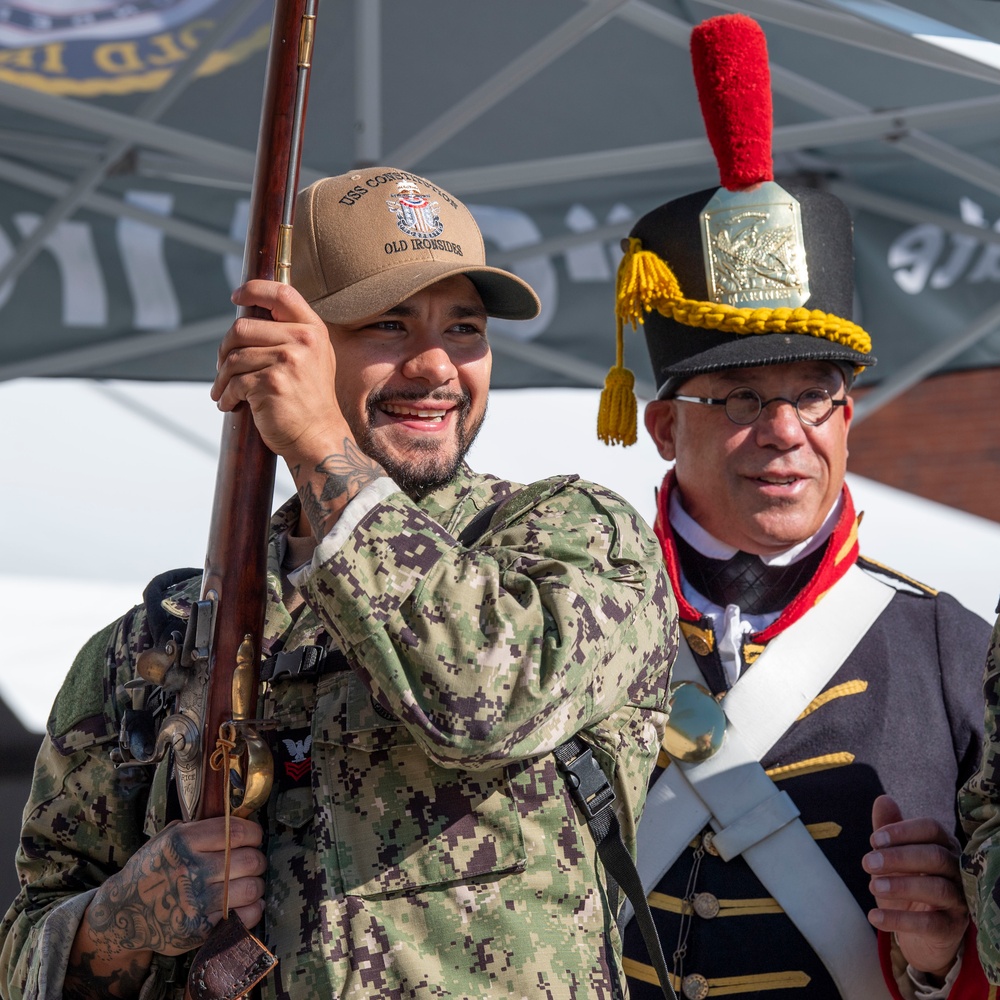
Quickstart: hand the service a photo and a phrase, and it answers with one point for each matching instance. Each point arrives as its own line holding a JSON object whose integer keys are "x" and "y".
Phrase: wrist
{"x": 328, "y": 484}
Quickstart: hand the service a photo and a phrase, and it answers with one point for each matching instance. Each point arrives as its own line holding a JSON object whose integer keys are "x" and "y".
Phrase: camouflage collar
{"x": 452, "y": 505}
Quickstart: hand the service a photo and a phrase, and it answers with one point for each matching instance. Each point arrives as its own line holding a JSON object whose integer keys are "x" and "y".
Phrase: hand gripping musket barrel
{"x": 222, "y": 765}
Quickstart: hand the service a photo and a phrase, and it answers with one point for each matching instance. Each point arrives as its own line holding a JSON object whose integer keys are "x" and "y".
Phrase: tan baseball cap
{"x": 367, "y": 240}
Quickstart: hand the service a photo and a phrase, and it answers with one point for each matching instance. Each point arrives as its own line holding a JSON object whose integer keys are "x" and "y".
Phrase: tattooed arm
{"x": 332, "y": 484}
{"x": 165, "y": 901}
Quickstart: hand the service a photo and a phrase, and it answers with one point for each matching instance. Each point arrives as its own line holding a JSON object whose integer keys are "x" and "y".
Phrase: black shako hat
{"x": 750, "y": 273}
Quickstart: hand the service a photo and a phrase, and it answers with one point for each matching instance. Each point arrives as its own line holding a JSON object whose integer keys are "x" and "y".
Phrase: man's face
{"x": 766, "y": 486}
{"x": 412, "y": 382}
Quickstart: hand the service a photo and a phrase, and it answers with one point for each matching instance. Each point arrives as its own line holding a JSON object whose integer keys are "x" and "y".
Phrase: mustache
{"x": 462, "y": 400}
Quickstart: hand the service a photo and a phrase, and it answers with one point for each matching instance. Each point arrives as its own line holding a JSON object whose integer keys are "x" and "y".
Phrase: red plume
{"x": 729, "y": 55}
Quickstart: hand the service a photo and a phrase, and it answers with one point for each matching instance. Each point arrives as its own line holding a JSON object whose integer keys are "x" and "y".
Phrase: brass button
{"x": 706, "y": 905}
{"x": 694, "y": 987}
{"x": 698, "y": 645}
{"x": 708, "y": 842}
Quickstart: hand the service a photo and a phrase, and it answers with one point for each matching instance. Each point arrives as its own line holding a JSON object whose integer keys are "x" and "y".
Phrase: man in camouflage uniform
{"x": 979, "y": 804}
{"x": 419, "y": 840}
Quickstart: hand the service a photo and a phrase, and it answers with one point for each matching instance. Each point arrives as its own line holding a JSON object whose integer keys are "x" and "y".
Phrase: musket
{"x": 221, "y": 764}
{"x": 220, "y": 761}
{"x": 234, "y": 588}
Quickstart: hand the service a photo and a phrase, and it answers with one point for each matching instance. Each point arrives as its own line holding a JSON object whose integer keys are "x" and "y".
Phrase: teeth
{"x": 406, "y": 411}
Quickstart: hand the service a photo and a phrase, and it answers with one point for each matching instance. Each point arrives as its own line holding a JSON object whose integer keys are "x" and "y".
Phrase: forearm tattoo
{"x": 344, "y": 476}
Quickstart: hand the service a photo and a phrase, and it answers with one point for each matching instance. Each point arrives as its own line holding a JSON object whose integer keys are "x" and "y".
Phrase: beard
{"x": 423, "y": 466}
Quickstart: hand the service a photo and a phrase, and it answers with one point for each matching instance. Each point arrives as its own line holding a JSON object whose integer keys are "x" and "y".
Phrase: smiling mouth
{"x": 777, "y": 480}
{"x": 414, "y": 412}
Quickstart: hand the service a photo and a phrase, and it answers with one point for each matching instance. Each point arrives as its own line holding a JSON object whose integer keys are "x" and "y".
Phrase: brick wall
{"x": 940, "y": 440}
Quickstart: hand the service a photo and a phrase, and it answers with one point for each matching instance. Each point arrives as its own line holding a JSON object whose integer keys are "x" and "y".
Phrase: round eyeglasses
{"x": 744, "y": 405}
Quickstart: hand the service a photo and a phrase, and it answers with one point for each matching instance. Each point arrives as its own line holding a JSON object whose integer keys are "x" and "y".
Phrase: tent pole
{"x": 186, "y": 232}
{"x": 828, "y": 102}
{"x": 520, "y": 70}
{"x": 367, "y": 82}
{"x": 561, "y": 363}
{"x": 861, "y": 33}
{"x": 26, "y": 251}
{"x": 141, "y": 345}
{"x": 908, "y": 211}
{"x": 687, "y": 152}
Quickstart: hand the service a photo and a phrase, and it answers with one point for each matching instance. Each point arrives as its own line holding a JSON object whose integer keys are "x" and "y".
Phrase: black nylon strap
{"x": 478, "y": 526}
{"x": 576, "y": 760}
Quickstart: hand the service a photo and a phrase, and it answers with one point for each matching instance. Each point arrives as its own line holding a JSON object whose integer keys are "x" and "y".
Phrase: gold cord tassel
{"x": 645, "y": 282}
{"x": 616, "y": 418}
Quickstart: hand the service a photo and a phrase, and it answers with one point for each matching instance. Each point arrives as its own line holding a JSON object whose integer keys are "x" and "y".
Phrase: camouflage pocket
{"x": 399, "y": 821}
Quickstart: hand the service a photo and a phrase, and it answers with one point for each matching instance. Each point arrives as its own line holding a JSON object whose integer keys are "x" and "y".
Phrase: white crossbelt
{"x": 749, "y": 814}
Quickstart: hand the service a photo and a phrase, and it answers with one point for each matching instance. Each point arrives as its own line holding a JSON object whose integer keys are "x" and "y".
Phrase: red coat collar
{"x": 841, "y": 553}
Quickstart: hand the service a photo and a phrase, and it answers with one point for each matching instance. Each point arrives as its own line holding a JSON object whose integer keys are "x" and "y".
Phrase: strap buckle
{"x": 588, "y": 783}
{"x": 302, "y": 662}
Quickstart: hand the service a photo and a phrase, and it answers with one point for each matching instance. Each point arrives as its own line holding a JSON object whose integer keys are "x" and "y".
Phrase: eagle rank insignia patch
{"x": 292, "y": 757}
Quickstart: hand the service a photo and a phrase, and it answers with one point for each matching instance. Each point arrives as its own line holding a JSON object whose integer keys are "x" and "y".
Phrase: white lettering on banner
{"x": 141, "y": 246}
{"x": 158, "y": 302}
{"x": 232, "y": 265}
{"x": 620, "y": 215}
{"x": 595, "y": 261}
{"x": 510, "y": 229}
{"x": 6, "y": 252}
{"x": 912, "y": 256}
{"x": 916, "y": 257}
{"x": 988, "y": 266}
{"x": 588, "y": 261}
{"x": 84, "y": 295}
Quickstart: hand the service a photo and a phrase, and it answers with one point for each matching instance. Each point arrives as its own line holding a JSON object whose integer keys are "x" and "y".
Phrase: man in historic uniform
{"x": 432, "y": 637}
{"x": 826, "y": 710}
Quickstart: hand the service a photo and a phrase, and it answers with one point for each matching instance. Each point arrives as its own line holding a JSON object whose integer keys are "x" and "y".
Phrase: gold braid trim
{"x": 646, "y": 282}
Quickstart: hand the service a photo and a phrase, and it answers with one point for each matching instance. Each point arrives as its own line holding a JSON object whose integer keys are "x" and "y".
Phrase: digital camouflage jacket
{"x": 421, "y": 842}
{"x": 979, "y": 804}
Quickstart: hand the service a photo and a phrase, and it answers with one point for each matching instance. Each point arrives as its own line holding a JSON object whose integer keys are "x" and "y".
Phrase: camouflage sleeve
{"x": 979, "y": 805}
{"x": 560, "y": 615}
{"x": 82, "y": 820}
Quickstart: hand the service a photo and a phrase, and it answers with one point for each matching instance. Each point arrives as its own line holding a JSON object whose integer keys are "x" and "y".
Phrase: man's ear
{"x": 660, "y": 417}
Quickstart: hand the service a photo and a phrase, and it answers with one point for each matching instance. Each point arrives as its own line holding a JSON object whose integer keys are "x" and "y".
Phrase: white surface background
{"x": 96, "y": 500}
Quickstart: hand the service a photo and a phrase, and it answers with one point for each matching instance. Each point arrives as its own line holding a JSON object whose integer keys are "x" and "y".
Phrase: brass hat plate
{"x": 755, "y": 255}
{"x": 697, "y": 725}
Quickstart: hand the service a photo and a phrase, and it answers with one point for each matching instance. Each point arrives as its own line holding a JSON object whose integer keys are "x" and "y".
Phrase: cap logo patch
{"x": 416, "y": 214}
{"x": 754, "y": 250}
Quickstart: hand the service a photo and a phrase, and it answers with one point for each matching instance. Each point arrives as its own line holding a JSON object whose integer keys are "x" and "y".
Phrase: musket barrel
{"x": 236, "y": 563}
